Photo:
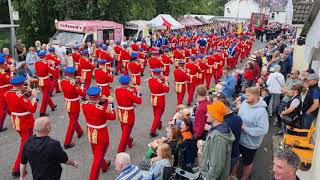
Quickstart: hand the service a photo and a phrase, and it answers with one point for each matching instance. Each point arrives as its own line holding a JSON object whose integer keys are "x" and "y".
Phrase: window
{"x": 67, "y": 38}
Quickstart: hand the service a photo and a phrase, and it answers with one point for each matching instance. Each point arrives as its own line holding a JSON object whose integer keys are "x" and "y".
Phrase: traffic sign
{"x": 15, "y": 15}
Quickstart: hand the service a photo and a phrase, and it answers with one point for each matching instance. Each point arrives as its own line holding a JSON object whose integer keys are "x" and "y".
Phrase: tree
{"x": 37, "y": 17}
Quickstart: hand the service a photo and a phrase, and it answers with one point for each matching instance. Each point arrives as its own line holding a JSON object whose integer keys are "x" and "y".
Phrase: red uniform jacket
{"x": 144, "y": 46}
{"x": 71, "y": 92}
{"x": 154, "y": 63}
{"x": 21, "y": 110}
{"x": 125, "y": 55}
{"x": 180, "y": 77}
{"x": 187, "y": 53}
{"x": 142, "y": 57}
{"x": 117, "y": 49}
{"x": 53, "y": 62}
{"x": 96, "y": 117}
{"x": 125, "y": 101}
{"x": 157, "y": 90}
{"x": 218, "y": 59}
{"x": 52, "y": 59}
{"x": 43, "y": 70}
{"x": 98, "y": 51}
{"x": 86, "y": 67}
{"x": 194, "y": 51}
{"x": 76, "y": 56}
{"x": 203, "y": 68}
{"x": 4, "y": 83}
{"x": 153, "y": 49}
{"x": 210, "y": 62}
{"x": 166, "y": 61}
{"x": 192, "y": 69}
{"x": 106, "y": 56}
{"x": 135, "y": 47}
{"x": 103, "y": 78}
{"x": 178, "y": 54}
{"x": 135, "y": 70}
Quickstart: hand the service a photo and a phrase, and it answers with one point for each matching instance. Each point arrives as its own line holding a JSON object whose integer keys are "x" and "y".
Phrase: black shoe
{"x": 3, "y": 129}
{"x": 80, "y": 135}
{"x": 108, "y": 165}
{"x": 58, "y": 92}
{"x": 44, "y": 114}
{"x": 142, "y": 74}
{"x": 280, "y": 133}
{"x": 153, "y": 135}
{"x": 67, "y": 146}
{"x": 16, "y": 174}
{"x": 54, "y": 108}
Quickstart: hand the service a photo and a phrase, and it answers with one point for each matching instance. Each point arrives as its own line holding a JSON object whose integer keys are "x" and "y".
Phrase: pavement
{"x": 9, "y": 140}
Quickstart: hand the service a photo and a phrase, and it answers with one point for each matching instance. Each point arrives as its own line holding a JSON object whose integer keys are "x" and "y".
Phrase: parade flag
{"x": 240, "y": 29}
{"x": 166, "y": 23}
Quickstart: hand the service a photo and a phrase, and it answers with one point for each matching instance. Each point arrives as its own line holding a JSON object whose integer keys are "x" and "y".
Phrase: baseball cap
{"x": 313, "y": 77}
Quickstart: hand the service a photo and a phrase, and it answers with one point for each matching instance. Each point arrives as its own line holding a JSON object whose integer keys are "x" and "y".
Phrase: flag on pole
{"x": 240, "y": 29}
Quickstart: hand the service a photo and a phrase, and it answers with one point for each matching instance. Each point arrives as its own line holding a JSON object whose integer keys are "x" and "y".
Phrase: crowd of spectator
{"x": 230, "y": 122}
{"x": 227, "y": 123}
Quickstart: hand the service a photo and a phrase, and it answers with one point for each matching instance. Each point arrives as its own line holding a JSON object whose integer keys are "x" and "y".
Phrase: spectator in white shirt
{"x": 275, "y": 82}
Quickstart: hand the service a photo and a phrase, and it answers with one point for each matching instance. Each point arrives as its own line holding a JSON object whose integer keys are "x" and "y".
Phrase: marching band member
{"x": 5, "y": 86}
{"x": 21, "y": 109}
{"x": 126, "y": 98}
{"x": 97, "y": 116}
{"x": 158, "y": 86}
{"x": 43, "y": 70}
{"x": 192, "y": 69}
{"x": 71, "y": 92}
{"x": 181, "y": 78}
{"x": 135, "y": 69}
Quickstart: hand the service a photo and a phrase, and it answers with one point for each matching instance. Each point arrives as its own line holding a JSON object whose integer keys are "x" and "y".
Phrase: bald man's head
{"x": 42, "y": 125}
{"x": 122, "y": 161}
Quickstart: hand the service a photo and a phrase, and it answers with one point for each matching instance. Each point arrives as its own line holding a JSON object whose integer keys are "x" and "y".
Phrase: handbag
{"x": 150, "y": 153}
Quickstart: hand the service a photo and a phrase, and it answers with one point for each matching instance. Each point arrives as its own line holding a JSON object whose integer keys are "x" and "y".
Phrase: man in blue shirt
{"x": 310, "y": 106}
{"x": 127, "y": 170}
{"x": 229, "y": 84}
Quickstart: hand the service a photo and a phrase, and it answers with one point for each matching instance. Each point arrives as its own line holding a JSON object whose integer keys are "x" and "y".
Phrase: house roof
{"x": 314, "y": 11}
{"x": 278, "y": 6}
{"x": 301, "y": 11}
{"x": 260, "y": 3}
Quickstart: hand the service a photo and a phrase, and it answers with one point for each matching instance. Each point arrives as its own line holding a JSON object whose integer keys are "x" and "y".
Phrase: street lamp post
{"x": 12, "y": 30}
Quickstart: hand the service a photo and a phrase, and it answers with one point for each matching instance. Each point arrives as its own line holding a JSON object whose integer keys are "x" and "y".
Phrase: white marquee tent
{"x": 164, "y": 21}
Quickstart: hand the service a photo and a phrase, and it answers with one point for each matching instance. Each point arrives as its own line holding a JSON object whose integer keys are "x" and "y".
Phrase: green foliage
{"x": 37, "y": 16}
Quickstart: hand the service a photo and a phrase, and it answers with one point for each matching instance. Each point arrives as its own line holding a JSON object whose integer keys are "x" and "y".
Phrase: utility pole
{"x": 12, "y": 30}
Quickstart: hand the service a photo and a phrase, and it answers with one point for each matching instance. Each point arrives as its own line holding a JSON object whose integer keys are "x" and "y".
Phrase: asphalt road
{"x": 9, "y": 140}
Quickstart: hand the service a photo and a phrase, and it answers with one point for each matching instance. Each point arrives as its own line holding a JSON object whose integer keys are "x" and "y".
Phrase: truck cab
{"x": 74, "y": 32}
{"x": 137, "y": 29}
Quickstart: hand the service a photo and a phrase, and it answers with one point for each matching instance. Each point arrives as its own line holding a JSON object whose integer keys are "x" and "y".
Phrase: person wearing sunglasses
{"x": 31, "y": 58}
